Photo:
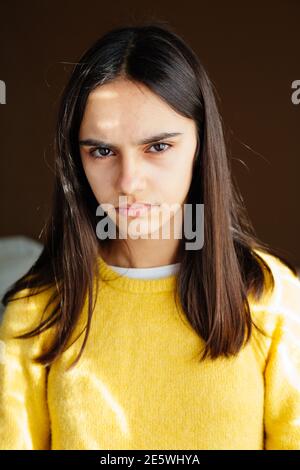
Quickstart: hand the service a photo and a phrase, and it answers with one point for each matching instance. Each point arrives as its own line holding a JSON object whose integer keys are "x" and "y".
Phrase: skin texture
{"x": 122, "y": 113}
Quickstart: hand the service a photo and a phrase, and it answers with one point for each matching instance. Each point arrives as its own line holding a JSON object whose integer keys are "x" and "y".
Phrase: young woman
{"x": 183, "y": 348}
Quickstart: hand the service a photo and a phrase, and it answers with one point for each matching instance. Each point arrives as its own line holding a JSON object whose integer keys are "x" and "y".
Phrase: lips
{"x": 135, "y": 206}
{"x": 135, "y": 210}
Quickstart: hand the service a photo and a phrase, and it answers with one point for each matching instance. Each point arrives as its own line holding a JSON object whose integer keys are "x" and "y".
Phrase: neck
{"x": 141, "y": 253}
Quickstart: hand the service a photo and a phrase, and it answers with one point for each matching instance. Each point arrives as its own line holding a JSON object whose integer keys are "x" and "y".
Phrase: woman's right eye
{"x": 96, "y": 149}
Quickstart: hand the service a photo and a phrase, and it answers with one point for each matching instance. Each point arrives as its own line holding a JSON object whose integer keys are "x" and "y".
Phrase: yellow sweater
{"x": 139, "y": 383}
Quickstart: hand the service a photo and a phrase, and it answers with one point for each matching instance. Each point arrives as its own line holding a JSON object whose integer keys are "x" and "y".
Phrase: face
{"x": 122, "y": 155}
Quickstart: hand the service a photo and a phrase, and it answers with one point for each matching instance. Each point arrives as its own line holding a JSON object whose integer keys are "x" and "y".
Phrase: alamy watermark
{"x": 295, "y": 97}
{"x": 2, "y": 92}
{"x": 177, "y": 222}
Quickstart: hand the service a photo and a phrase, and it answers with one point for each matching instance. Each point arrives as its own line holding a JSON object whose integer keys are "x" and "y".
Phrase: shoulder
{"x": 24, "y": 313}
{"x": 285, "y": 295}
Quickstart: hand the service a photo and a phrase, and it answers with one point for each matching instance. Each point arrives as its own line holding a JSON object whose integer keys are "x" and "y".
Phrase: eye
{"x": 161, "y": 143}
{"x": 96, "y": 149}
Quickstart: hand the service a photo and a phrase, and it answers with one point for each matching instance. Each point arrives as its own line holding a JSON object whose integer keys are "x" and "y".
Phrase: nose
{"x": 130, "y": 179}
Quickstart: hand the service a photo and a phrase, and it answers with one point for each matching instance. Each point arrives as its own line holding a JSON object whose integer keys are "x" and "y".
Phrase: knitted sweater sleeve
{"x": 282, "y": 370}
{"x": 24, "y": 419}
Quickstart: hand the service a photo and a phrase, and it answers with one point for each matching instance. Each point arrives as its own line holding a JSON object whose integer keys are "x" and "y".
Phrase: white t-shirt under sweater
{"x": 148, "y": 273}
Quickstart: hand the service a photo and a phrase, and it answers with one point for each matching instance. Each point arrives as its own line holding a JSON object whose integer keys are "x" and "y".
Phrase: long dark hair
{"x": 214, "y": 282}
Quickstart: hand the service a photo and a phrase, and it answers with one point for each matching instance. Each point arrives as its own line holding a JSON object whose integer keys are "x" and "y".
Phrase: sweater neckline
{"x": 157, "y": 272}
{"x": 135, "y": 285}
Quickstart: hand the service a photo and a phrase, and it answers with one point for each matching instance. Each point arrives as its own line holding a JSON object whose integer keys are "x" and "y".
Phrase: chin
{"x": 139, "y": 230}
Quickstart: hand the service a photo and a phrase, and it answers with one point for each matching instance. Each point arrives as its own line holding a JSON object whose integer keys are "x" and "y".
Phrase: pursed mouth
{"x": 136, "y": 205}
{"x": 135, "y": 210}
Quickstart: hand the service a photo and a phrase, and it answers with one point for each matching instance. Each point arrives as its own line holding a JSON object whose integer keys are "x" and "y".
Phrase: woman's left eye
{"x": 161, "y": 143}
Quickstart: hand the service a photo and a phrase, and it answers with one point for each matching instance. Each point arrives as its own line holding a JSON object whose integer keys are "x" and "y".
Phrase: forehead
{"x": 125, "y": 106}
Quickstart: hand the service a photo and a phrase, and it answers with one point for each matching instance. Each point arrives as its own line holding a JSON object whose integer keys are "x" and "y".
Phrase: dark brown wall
{"x": 251, "y": 52}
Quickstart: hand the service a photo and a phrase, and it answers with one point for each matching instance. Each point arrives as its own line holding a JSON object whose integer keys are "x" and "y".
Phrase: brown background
{"x": 251, "y": 53}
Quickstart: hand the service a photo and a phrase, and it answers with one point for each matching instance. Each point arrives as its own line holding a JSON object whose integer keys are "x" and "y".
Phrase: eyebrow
{"x": 148, "y": 140}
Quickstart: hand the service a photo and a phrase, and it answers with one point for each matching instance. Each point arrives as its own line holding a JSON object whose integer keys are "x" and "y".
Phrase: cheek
{"x": 97, "y": 180}
{"x": 186, "y": 175}
{"x": 177, "y": 183}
